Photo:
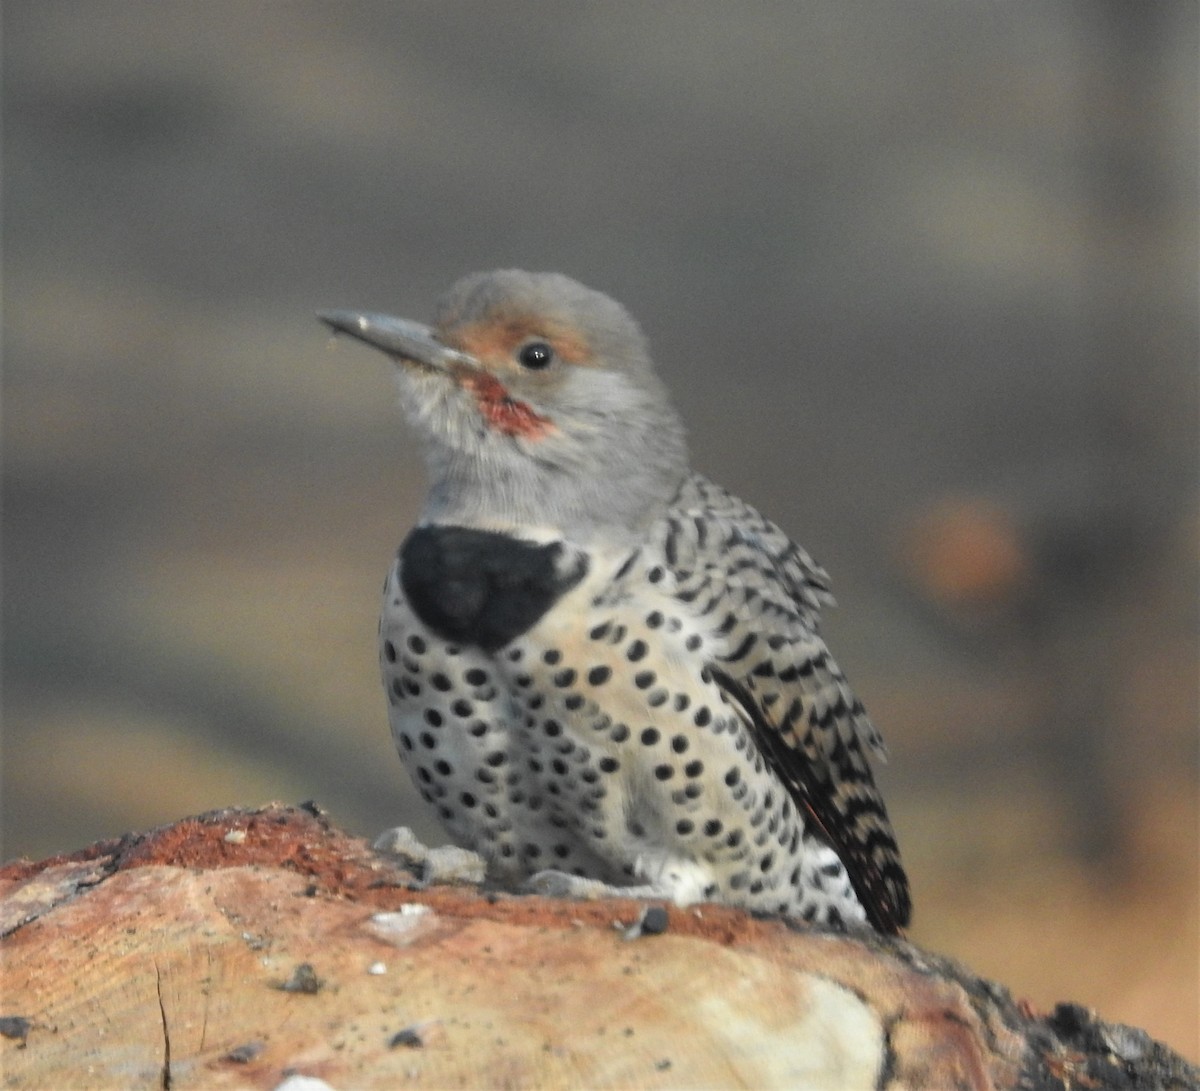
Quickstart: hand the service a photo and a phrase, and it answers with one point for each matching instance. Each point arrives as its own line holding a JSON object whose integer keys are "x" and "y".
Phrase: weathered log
{"x": 244, "y": 947}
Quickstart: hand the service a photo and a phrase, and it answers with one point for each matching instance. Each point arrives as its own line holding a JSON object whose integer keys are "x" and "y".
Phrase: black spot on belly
{"x": 479, "y": 587}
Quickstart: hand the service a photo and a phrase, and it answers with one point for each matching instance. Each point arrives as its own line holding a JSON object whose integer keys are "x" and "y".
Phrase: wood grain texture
{"x": 161, "y": 960}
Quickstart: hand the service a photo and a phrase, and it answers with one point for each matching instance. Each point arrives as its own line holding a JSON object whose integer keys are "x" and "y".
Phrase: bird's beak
{"x": 399, "y": 338}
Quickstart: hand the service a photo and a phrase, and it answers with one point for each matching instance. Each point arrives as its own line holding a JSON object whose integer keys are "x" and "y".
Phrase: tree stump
{"x": 260, "y": 948}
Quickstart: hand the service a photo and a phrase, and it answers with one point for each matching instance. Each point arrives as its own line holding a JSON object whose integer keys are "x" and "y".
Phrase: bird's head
{"x": 537, "y": 404}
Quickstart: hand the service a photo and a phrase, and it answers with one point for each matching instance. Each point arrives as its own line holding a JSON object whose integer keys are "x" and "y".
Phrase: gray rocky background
{"x": 921, "y": 275}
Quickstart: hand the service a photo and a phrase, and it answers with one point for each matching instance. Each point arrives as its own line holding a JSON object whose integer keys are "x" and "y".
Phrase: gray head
{"x": 538, "y": 406}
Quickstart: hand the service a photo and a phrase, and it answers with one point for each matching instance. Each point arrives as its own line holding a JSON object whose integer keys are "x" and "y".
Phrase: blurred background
{"x": 922, "y": 277}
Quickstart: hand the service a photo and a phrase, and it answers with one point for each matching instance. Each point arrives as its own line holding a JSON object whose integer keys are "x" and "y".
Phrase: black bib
{"x": 480, "y": 587}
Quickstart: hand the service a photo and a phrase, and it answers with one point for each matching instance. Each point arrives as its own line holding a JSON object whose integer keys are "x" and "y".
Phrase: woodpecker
{"x": 603, "y": 670}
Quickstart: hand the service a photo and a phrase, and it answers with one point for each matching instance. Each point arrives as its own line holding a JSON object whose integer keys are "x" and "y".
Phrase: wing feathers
{"x": 805, "y": 719}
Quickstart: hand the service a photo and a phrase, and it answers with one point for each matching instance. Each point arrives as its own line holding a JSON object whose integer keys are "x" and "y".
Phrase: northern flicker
{"x": 603, "y": 670}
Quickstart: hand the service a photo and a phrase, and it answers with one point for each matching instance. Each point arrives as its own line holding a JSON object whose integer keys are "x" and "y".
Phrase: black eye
{"x": 536, "y": 355}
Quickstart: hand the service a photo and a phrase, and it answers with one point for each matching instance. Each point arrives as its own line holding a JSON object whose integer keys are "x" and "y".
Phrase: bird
{"x": 603, "y": 670}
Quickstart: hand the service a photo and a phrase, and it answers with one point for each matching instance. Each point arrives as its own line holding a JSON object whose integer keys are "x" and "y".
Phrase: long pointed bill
{"x": 398, "y": 337}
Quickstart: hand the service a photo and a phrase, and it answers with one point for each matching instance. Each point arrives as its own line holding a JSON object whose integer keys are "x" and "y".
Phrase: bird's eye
{"x": 536, "y": 355}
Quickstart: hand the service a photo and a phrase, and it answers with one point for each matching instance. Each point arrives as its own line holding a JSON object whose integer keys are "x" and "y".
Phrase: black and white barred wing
{"x": 765, "y": 595}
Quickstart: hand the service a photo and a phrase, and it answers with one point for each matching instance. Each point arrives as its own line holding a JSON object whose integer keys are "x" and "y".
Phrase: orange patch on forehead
{"x": 499, "y": 338}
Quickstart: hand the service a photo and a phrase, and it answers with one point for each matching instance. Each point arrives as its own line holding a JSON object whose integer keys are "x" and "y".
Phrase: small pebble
{"x": 652, "y": 922}
{"x": 246, "y": 1053}
{"x": 655, "y": 920}
{"x": 377, "y": 968}
{"x": 15, "y": 1026}
{"x": 303, "y": 980}
{"x": 409, "y": 1036}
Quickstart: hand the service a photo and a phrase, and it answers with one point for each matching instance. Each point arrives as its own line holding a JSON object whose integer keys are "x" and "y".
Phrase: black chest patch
{"x": 479, "y": 587}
